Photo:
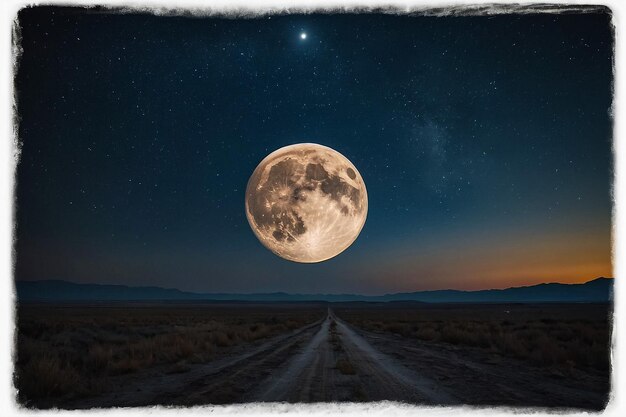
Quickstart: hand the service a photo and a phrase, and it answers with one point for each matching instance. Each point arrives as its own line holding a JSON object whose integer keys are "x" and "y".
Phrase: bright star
{"x": 303, "y": 35}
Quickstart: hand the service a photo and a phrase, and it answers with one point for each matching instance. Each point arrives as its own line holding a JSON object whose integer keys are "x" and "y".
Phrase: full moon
{"x": 306, "y": 202}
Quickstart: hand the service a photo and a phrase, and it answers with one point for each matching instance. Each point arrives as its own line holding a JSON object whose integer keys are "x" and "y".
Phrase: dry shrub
{"x": 125, "y": 365}
{"x": 182, "y": 346}
{"x": 402, "y": 329}
{"x": 426, "y": 333}
{"x": 468, "y": 334}
{"x": 99, "y": 357}
{"x": 221, "y": 339}
{"x": 46, "y": 376}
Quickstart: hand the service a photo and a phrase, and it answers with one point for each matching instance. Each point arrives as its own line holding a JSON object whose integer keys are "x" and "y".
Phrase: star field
{"x": 479, "y": 139}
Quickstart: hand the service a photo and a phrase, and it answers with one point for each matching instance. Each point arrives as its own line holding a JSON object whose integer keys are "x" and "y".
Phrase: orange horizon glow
{"x": 479, "y": 263}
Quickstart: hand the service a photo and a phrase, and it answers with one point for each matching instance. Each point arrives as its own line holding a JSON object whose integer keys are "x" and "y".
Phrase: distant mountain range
{"x": 597, "y": 290}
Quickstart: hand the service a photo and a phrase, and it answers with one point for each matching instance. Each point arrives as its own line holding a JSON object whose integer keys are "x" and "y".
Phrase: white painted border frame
{"x": 9, "y": 154}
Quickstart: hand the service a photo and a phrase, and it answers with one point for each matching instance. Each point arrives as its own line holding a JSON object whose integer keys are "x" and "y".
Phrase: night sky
{"x": 484, "y": 142}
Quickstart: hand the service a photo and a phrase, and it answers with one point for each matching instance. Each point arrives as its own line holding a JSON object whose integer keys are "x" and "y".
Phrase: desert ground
{"x": 136, "y": 354}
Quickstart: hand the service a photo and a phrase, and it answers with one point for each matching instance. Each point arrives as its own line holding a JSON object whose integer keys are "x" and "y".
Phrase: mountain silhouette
{"x": 597, "y": 290}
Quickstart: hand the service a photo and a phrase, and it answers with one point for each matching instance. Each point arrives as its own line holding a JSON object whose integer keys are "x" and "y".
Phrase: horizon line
{"x": 310, "y": 293}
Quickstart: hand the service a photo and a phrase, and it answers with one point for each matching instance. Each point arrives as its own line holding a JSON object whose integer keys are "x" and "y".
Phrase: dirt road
{"x": 332, "y": 361}
{"x": 339, "y": 365}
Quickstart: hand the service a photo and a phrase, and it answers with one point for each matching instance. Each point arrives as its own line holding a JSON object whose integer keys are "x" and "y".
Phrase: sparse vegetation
{"x": 345, "y": 367}
{"x": 558, "y": 336}
{"x": 334, "y": 338}
{"x": 343, "y": 364}
{"x": 65, "y": 352}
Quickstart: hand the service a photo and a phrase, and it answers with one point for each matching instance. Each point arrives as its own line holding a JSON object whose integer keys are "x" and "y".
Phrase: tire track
{"x": 384, "y": 378}
{"x": 292, "y": 381}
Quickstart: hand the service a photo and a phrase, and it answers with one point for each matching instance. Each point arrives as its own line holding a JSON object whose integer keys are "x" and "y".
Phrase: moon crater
{"x": 306, "y": 202}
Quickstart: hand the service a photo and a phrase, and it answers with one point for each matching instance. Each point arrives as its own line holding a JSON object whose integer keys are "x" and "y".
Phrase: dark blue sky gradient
{"x": 484, "y": 142}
